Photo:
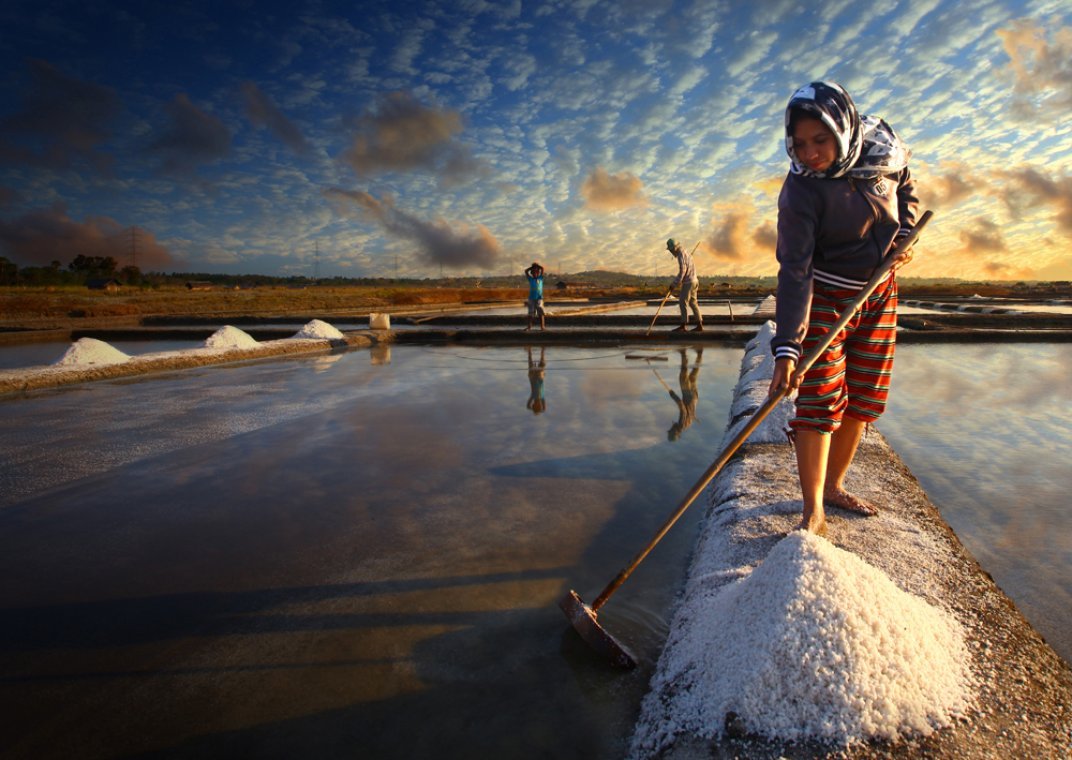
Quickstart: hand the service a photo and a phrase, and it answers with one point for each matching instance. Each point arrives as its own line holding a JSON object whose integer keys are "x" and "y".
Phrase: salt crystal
{"x": 91, "y": 351}
{"x": 817, "y": 643}
{"x": 230, "y": 337}
{"x": 318, "y": 329}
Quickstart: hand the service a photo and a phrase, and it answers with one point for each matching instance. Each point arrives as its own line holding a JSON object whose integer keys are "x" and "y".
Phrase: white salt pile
{"x": 817, "y": 643}
{"x": 230, "y": 337}
{"x": 91, "y": 351}
{"x": 318, "y": 329}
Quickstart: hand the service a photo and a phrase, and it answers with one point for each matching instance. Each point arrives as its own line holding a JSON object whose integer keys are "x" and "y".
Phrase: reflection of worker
{"x": 536, "y": 401}
{"x": 690, "y": 394}
{"x": 535, "y": 302}
{"x": 689, "y": 297}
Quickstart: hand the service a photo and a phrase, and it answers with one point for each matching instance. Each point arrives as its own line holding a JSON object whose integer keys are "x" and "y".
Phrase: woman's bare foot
{"x": 842, "y": 499}
{"x": 815, "y": 525}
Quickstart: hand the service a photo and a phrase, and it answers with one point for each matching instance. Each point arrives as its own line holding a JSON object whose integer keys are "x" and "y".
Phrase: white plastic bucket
{"x": 379, "y": 321}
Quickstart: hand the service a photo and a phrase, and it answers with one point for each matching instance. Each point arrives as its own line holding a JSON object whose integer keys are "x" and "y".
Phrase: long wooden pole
{"x": 761, "y": 414}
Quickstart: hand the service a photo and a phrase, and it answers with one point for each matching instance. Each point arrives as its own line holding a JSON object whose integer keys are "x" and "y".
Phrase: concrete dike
{"x": 55, "y": 375}
{"x": 836, "y": 675}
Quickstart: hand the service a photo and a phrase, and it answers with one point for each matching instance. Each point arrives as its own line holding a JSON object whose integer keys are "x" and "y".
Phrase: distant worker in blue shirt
{"x": 689, "y": 283}
{"x": 535, "y": 303}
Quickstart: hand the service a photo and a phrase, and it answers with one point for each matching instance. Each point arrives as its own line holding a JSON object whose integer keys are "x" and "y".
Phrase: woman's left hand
{"x": 784, "y": 377}
{"x": 902, "y": 258}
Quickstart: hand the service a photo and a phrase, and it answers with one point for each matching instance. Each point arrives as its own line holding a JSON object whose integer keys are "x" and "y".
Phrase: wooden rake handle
{"x": 768, "y": 406}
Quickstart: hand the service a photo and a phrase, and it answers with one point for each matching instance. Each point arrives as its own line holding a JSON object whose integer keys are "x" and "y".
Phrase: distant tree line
{"x": 84, "y": 269}
{"x": 79, "y": 271}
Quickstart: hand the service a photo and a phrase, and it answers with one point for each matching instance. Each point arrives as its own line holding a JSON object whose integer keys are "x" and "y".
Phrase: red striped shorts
{"x": 852, "y": 377}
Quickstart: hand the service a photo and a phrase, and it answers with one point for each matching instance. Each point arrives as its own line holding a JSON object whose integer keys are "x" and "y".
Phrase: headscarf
{"x": 867, "y": 146}
{"x": 884, "y": 152}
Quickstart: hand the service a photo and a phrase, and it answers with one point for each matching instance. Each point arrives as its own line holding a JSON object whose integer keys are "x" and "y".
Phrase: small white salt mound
{"x": 91, "y": 351}
{"x": 817, "y": 643}
{"x": 230, "y": 337}
{"x": 318, "y": 329}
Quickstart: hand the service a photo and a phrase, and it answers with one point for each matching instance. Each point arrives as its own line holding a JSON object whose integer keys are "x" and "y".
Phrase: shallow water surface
{"x": 349, "y": 555}
{"x": 987, "y": 430}
{"x": 361, "y": 553}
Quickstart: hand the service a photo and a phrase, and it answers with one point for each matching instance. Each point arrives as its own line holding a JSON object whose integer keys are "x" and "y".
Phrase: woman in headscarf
{"x": 847, "y": 199}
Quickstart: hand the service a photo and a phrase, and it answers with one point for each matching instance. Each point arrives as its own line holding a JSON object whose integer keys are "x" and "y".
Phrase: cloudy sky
{"x": 473, "y": 137}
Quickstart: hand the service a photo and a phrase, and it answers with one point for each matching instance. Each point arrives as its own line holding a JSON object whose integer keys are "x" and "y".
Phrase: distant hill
{"x": 601, "y": 282}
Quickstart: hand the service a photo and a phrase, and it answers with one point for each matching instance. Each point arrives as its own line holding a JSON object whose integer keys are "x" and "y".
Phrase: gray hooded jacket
{"x": 837, "y": 229}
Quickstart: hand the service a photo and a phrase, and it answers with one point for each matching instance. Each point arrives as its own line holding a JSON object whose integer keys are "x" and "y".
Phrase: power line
{"x": 134, "y": 246}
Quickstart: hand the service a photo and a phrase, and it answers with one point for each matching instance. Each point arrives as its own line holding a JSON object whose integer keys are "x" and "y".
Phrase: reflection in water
{"x": 261, "y": 559}
{"x": 690, "y": 394}
{"x": 265, "y": 559}
{"x": 988, "y": 432}
{"x": 537, "y": 403}
{"x": 324, "y": 363}
{"x": 380, "y": 354}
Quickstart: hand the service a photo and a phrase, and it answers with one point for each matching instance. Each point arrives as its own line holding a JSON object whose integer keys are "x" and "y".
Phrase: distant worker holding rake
{"x": 847, "y": 200}
{"x": 535, "y": 302}
{"x": 689, "y": 283}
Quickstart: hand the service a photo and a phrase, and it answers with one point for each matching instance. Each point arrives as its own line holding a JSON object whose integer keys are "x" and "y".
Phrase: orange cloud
{"x": 1030, "y": 187}
{"x": 766, "y": 236}
{"x": 740, "y": 236}
{"x": 989, "y": 244}
{"x": 985, "y": 235}
{"x": 46, "y": 235}
{"x": 771, "y": 186}
{"x": 984, "y": 253}
{"x": 1041, "y": 67}
{"x": 608, "y": 192}
{"x": 955, "y": 183}
{"x": 727, "y": 241}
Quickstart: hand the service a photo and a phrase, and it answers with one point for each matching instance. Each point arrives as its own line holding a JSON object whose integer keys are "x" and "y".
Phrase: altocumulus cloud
{"x": 439, "y": 242}
{"x": 609, "y": 192}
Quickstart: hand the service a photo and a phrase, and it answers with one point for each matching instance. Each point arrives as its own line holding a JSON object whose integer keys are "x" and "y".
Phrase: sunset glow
{"x": 471, "y": 138}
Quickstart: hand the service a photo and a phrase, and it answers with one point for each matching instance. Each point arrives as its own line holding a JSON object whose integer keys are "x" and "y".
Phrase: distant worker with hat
{"x": 689, "y": 283}
{"x": 535, "y": 303}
